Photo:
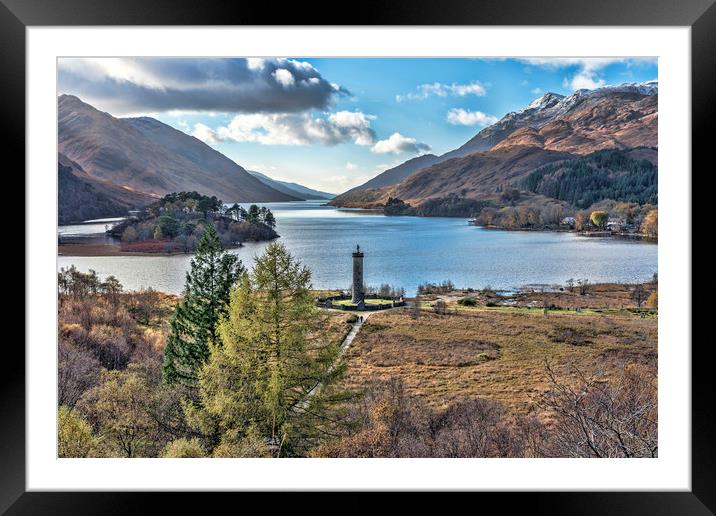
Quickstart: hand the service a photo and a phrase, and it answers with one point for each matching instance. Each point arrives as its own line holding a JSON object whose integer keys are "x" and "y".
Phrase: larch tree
{"x": 193, "y": 328}
{"x": 650, "y": 225}
{"x": 268, "y": 388}
{"x": 599, "y": 218}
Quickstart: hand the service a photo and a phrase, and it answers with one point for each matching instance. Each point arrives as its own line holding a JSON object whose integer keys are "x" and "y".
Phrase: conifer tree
{"x": 274, "y": 373}
{"x": 206, "y": 295}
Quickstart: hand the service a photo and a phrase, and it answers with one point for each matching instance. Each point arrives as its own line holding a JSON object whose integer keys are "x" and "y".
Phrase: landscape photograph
{"x": 286, "y": 257}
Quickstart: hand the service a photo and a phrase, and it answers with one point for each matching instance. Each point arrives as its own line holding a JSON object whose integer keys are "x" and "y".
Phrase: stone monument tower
{"x": 358, "y": 294}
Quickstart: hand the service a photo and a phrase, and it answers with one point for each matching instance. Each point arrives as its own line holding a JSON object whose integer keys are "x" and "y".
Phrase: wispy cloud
{"x": 459, "y": 116}
{"x": 438, "y": 89}
{"x": 153, "y": 85}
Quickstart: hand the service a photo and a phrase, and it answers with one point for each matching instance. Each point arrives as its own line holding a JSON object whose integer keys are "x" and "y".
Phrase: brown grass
{"x": 601, "y": 295}
{"x": 493, "y": 353}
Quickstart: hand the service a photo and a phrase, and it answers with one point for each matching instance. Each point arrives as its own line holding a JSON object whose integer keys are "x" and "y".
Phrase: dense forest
{"x": 177, "y": 221}
{"x": 607, "y": 174}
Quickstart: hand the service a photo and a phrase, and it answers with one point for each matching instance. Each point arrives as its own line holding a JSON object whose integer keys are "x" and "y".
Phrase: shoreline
{"x": 85, "y": 250}
{"x": 104, "y": 250}
{"x": 589, "y": 234}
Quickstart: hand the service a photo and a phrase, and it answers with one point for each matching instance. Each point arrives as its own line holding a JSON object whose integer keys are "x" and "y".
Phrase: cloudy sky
{"x": 333, "y": 123}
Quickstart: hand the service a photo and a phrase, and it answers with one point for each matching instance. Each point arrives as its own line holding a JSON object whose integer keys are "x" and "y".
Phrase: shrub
{"x": 74, "y": 434}
{"x": 77, "y": 371}
{"x": 183, "y": 449}
{"x": 599, "y": 218}
{"x": 129, "y": 235}
{"x": 597, "y": 416}
{"x": 653, "y": 300}
{"x": 467, "y": 301}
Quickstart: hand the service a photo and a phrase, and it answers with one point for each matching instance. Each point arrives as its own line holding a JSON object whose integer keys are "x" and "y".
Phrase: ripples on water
{"x": 402, "y": 251}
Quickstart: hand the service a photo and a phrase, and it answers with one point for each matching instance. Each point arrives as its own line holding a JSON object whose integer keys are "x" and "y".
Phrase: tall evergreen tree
{"x": 206, "y": 296}
{"x": 272, "y": 379}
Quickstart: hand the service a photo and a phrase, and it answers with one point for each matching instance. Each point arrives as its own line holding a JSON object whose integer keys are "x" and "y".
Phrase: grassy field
{"x": 497, "y": 353}
{"x": 598, "y": 295}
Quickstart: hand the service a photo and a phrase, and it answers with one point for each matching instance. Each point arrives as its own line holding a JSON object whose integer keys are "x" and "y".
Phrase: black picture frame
{"x": 699, "y": 15}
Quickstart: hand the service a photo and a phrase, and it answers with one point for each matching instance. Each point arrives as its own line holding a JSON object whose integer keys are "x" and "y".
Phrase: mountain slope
{"x": 145, "y": 155}
{"x": 478, "y": 176}
{"x": 395, "y": 175}
{"x": 80, "y": 197}
{"x": 618, "y": 175}
{"x": 294, "y": 189}
{"x": 588, "y": 120}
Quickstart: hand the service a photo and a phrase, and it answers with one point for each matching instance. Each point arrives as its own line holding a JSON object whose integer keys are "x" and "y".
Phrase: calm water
{"x": 402, "y": 251}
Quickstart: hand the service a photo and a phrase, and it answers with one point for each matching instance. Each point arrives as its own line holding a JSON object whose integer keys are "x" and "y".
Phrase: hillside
{"x": 81, "y": 197}
{"x": 608, "y": 174}
{"x": 145, "y": 155}
{"x": 478, "y": 176}
{"x": 621, "y": 117}
{"x": 395, "y": 175}
{"x": 296, "y": 190}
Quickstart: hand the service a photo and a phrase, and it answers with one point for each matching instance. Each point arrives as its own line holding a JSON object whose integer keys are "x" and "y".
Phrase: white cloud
{"x": 351, "y": 166}
{"x": 536, "y": 91}
{"x": 284, "y": 77}
{"x": 397, "y": 143}
{"x": 205, "y": 134}
{"x": 443, "y": 90}
{"x": 587, "y": 75}
{"x": 255, "y": 63}
{"x": 584, "y": 80}
{"x": 293, "y": 129}
{"x": 459, "y": 116}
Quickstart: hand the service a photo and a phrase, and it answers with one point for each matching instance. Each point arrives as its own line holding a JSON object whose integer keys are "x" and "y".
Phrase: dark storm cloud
{"x": 135, "y": 85}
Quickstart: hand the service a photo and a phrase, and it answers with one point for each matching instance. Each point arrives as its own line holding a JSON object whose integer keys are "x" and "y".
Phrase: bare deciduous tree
{"x": 598, "y": 417}
{"x": 639, "y": 295}
{"x": 584, "y": 286}
{"x": 570, "y": 284}
{"x": 77, "y": 371}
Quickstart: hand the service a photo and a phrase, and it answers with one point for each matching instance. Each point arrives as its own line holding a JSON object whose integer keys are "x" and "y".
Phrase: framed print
{"x": 414, "y": 251}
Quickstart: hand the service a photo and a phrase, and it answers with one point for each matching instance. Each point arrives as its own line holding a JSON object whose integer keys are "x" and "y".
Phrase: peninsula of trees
{"x": 176, "y": 223}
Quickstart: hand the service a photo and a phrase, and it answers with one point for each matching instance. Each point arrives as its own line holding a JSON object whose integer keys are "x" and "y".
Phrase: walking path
{"x": 344, "y": 346}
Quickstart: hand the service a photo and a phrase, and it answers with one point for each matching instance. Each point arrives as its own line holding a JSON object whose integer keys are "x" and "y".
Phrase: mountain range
{"x": 551, "y": 128}
{"x": 294, "y": 189}
{"x": 107, "y": 165}
{"x": 121, "y": 163}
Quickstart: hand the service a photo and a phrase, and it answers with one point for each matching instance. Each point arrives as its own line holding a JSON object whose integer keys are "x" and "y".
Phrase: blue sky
{"x": 332, "y": 123}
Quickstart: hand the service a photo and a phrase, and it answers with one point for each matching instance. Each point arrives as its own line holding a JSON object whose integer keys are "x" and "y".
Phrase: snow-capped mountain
{"x": 551, "y": 107}
{"x": 620, "y": 116}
